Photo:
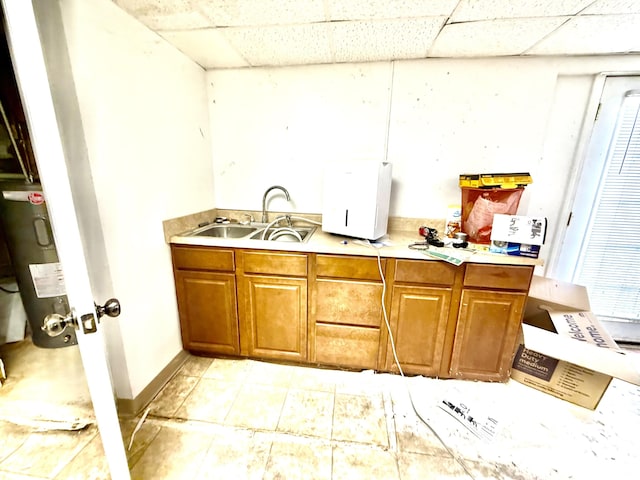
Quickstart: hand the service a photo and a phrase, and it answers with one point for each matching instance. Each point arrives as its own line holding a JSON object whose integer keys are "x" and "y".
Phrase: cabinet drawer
{"x": 195, "y": 258}
{"x": 347, "y": 346}
{"x": 348, "y": 302}
{"x": 275, "y": 263}
{"x": 360, "y": 268}
{"x": 425, "y": 271}
{"x": 507, "y": 277}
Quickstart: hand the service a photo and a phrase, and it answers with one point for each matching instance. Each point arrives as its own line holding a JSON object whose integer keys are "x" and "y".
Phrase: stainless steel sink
{"x": 225, "y": 231}
{"x": 285, "y": 234}
{"x": 255, "y": 232}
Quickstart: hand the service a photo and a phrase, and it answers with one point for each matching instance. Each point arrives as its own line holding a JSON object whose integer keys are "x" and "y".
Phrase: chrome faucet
{"x": 264, "y": 200}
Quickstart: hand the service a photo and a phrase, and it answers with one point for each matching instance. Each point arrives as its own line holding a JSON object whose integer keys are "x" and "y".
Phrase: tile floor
{"x": 244, "y": 419}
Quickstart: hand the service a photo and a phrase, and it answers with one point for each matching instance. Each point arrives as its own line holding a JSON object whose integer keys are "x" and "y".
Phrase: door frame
{"x": 31, "y": 75}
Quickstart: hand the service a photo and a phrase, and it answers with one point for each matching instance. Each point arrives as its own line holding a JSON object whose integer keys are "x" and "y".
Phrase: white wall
{"x": 145, "y": 124}
{"x": 432, "y": 119}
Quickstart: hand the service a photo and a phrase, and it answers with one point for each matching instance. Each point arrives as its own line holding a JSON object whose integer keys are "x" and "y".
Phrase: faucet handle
{"x": 249, "y": 219}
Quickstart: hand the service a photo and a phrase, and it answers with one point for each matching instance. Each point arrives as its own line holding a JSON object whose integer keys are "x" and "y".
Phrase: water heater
{"x": 356, "y": 199}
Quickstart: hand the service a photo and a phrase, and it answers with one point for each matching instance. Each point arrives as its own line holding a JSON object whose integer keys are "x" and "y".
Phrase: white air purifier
{"x": 356, "y": 199}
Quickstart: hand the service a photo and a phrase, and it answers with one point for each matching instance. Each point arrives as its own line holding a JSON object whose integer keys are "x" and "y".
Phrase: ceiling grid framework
{"x": 246, "y": 33}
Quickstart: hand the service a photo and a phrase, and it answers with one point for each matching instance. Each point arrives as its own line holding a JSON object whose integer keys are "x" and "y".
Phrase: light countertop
{"x": 395, "y": 245}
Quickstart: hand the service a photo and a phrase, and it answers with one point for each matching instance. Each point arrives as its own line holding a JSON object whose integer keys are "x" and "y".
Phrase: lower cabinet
{"x": 446, "y": 321}
{"x": 418, "y": 319}
{"x": 491, "y": 309}
{"x": 272, "y": 306}
{"x": 346, "y": 311}
{"x": 273, "y": 316}
{"x": 207, "y": 300}
{"x": 486, "y": 334}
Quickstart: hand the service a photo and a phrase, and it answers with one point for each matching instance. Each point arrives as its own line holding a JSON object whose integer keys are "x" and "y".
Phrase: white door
{"x": 32, "y": 79}
{"x": 600, "y": 248}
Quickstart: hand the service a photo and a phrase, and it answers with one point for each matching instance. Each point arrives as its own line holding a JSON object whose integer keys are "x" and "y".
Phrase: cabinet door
{"x": 208, "y": 317}
{"x": 274, "y": 317}
{"x": 486, "y": 335}
{"x": 418, "y": 320}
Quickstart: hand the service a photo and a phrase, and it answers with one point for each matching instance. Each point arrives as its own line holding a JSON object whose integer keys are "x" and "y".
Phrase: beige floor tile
{"x": 307, "y": 413}
{"x": 141, "y": 440}
{"x": 195, "y": 366}
{"x": 360, "y": 462}
{"x": 318, "y": 379}
{"x": 357, "y": 418}
{"x": 173, "y": 454}
{"x": 414, "y": 436}
{"x": 89, "y": 464}
{"x": 16, "y": 476}
{"x": 359, "y": 383}
{"x": 299, "y": 460}
{"x": 238, "y": 455}
{"x": 172, "y": 395}
{"x": 44, "y": 454}
{"x": 209, "y": 401}
{"x": 257, "y": 406}
{"x": 428, "y": 467}
{"x": 11, "y": 438}
{"x": 274, "y": 374}
{"x": 228, "y": 370}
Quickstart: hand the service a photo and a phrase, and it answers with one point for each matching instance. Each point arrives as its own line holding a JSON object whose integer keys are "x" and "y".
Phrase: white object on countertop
{"x": 356, "y": 199}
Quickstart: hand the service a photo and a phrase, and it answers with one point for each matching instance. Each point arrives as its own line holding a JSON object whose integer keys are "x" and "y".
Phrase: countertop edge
{"x": 395, "y": 245}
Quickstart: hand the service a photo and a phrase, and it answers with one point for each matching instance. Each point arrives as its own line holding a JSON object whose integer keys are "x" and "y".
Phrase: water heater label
{"x": 36, "y": 198}
{"x": 48, "y": 279}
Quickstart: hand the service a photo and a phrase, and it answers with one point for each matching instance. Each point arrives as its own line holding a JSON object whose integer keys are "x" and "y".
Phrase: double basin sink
{"x": 256, "y": 231}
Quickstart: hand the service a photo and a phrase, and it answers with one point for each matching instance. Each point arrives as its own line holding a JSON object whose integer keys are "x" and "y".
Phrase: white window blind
{"x": 609, "y": 260}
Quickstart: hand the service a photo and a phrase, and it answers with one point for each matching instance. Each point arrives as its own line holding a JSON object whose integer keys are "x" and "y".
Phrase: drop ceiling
{"x": 246, "y": 33}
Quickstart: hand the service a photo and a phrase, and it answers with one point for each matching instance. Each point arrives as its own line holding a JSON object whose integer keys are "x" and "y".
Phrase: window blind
{"x": 609, "y": 260}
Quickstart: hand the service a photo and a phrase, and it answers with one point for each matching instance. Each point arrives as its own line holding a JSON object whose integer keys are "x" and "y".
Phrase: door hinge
{"x": 597, "y": 113}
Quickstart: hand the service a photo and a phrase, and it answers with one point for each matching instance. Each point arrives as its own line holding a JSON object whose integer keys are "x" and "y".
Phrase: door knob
{"x": 54, "y": 323}
{"x": 111, "y": 308}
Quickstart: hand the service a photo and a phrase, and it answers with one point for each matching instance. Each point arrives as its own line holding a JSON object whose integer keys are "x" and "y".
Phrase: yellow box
{"x": 495, "y": 180}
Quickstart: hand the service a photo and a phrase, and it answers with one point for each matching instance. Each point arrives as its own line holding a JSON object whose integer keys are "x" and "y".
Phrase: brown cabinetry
{"x": 446, "y": 321}
{"x": 346, "y": 311}
{"x": 272, "y": 290}
{"x": 421, "y": 301}
{"x": 206, "y": 293}
{"x": 491, "y": 309}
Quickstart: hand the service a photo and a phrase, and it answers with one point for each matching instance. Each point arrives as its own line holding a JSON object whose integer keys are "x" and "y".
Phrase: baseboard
{"x": 130, "y": 407}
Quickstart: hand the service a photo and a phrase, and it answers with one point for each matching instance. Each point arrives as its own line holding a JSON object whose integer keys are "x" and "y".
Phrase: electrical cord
{"x": 395, "y": 357}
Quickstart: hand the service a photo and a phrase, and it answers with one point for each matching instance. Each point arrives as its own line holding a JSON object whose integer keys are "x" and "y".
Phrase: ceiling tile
{"x": 175, "y": 21}
{"x": 471, "y": 10}
{"x": 207, "y": 47}
{"x": 384, "y": 39}
{"x": 166, "y": 14}
{"x": 490, "y": 38}
{"x": 379, "y": 9}
{"x": 156, "y": 7}
{"x": 593, "y": 35}
{"x": 603, "y": 7}
{"x": 240, "y": 13}
{"x": 282, "y": 45}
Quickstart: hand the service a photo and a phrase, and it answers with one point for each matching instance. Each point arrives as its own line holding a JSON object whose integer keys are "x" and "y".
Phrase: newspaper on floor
{"x": 475, "y": 420}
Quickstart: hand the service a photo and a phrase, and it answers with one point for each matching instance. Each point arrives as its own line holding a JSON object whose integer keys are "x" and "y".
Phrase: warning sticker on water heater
{"x": 48, "y": 279}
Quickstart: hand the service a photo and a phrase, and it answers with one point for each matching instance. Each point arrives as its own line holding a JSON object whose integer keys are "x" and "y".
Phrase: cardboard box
{"x": 565, "y": 351}
{"x": 517, "y": 235}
